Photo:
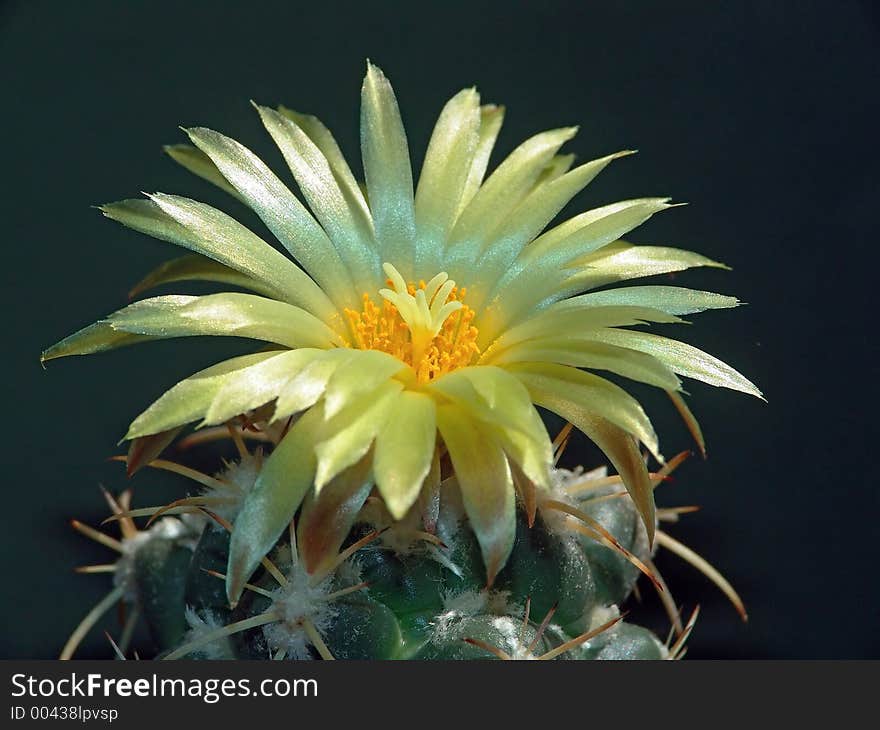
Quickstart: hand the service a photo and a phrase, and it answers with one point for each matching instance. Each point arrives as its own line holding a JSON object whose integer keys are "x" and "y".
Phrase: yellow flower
{"x": 411, "y": 326}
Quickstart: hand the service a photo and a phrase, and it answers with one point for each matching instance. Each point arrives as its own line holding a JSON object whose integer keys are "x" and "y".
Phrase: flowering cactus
{"x": 404, "y": 500}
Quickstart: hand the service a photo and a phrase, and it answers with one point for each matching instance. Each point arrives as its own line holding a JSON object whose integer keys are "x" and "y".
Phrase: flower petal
{"x": 619, "y": 446}
{"x": 279, "y": 209}
{"x": 198, "y": 268}
{"x": 510, "y": 182}
{"x": 541, "y": 206}
{"x": 593, "y": 229}
{"x": 190, "y": 399}
{"x": 620, "y": 261}
{"x": 673, "y": 300}
{"x": 214, "y": 234}
{"x": 347, "y": 224}
{"x": 591, "y": 394}
{"x": 348, "y": 436}
{"x": 682, "y": 358}
{"x": 388, "y": 171}
{"x": 97, "y": 337}
{"x": 556, "y": 168}
{"x": 229, "y": 314}
{"x": 499, "y": 400}
{"x": 286, "y": 477}
{"x": 530, "y": 217}
{"x": 491, "y": 118}
{"x": 445, "y": 171}
{"x": 323, "y": 139}
{"x": 307, "y": 387}
{"x": 404, "y": 451}
{"x": 327, "y": 518}
{"x": 534, "y": 277}
{"x": 623, "y": 452}
{"x": 199, "y": 164}
{"x": 484, "y": 478}
{"x": 255, "y": 386}
{"x": 594, "y": 355}
{"x": 576, "y": 321}
{"x": 364, "y": 371}
{"x": 690, "y": 420}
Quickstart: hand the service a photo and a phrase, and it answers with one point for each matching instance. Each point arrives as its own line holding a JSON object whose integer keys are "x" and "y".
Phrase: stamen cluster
{"x": 427, "y": 326}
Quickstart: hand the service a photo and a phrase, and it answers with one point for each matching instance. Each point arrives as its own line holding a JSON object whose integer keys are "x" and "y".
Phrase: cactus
{"x": 401, "y": 497}
{"x": 394, "y": 590}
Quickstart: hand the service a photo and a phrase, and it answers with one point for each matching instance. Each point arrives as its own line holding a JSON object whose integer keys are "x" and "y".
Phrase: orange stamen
{"x": 382, "y": 328}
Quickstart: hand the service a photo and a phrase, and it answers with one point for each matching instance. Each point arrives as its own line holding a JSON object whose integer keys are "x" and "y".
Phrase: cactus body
{"x": 407, "y": 600}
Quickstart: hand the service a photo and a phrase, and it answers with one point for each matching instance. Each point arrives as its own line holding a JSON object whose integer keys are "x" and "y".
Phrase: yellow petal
{"x": 621, "y": 448}
{"x": 486, "y": 484}
{"x": 404, "y": 451}
{"x": 591, "y": 394}
{"x": 351, "y": 432}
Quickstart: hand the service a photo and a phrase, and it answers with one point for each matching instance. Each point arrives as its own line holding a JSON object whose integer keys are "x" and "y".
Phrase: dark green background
{"x": 762, "y": 115}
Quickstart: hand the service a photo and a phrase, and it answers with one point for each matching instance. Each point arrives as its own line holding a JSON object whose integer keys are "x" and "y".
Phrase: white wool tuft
{"x": 296, "y": 601}
{"x": 200, "y": 626}
{"x": 458, "y": 606}
{"x": 240, "y": 477}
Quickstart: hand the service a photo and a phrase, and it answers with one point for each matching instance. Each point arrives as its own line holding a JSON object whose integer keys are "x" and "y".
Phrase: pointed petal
{"x": 349, "y": 435}
{"x": 279, "y": 209}
{"x": 484, "y": 478}
{"x": 198, "y": 163}
{"x": 576, "y": 322}
{"x": 326, "y": 518}
{"x": 323, "y": 139}
{"x": 693, "y": 425}
{"x": 556, "y": 168}
{"x": 98, "y": 337}
{"x": 675, "y": 300}
{"x": 348, "y": 226}
{"x": 594, "y": 355}
{"x": 304, "y": 389}
{"x": 593, "y": 229}
{"x": 214, "y": 234}
{"x": 620, "y": 261}
{"x": 683, "y": 359}
{"x": 229, "y": 314}
{"x": 497, "y": 398}
{"x": 591, "y": 394}
{"x": 286, "y": 477}
{"x": 198, "y": 268}
{"x": 491, "y": 118}
{"x": 505, "y": 188}
{"x": 620, "y": 448}
{"x": 540, "y": 207}
{"x": 534, "y": 277}
{"x": 255, "y": 386}
{"x": 404, "y": 451}
{"x": 388, "y": 171}
{"x": 145, "y": 449}
{"x": 190, "y": 399}
{"x": 531, "y": 216}
{"x": 363, "y": 371}
{"x": 446, "y": 168}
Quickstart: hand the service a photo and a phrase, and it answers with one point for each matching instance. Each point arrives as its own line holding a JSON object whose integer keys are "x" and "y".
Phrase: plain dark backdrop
{"x": 762, "y": 115}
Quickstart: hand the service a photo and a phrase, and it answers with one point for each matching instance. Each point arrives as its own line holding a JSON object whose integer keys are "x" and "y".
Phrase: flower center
{"x": 427, "y": 326}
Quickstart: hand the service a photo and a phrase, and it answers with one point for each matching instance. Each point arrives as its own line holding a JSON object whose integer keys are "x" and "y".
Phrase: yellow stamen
{"x": 427, "y": 326}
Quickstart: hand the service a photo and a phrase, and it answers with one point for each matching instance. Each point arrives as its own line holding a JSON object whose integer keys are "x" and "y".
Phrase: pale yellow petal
{"x": 348, "y": 436}
{"x": 404, "y": 451}
{"x": 484, "y": 478}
